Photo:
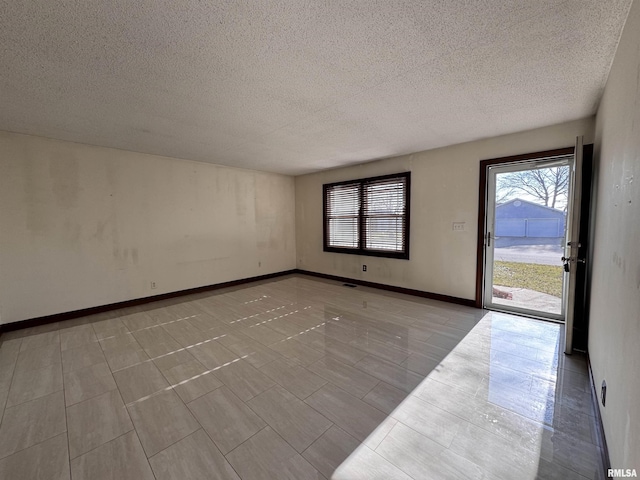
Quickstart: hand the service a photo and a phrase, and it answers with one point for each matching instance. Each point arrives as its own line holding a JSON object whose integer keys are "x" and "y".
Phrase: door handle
{"x": 567, "y": 260}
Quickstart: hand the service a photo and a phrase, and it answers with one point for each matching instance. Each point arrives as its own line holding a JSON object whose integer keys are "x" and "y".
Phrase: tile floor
{"x": 295, "y": 378}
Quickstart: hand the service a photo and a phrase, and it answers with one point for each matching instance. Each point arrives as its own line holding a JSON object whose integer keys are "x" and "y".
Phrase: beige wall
{"x": 614, "y": 332}
{"x": 83, "y": 226}
{"x": 444, "y": 189}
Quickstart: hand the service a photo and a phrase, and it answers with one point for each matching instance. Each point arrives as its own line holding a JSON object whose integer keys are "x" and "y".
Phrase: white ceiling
{"x": 302, "y": 85}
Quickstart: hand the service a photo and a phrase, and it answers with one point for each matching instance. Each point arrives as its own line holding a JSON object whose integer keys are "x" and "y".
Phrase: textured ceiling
{"x": 298, "y": 86}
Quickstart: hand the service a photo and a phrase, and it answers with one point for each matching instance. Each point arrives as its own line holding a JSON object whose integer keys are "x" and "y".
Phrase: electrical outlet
{"x": 458, "y": 226}
{"x": 603, "y": 393}
{"x": 364, "y": 268}
{"x": 153, "y": 285}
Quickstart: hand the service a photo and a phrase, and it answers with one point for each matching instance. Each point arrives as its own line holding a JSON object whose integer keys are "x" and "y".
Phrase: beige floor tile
{"x": 138, "y": 321}
{"x": 331, "y": 347}
{"x": 460, "y": 373}
{"x": 191, "y": 380}
{"x": 421, "y": 364}
{"x": 488, "y": 451}
{"x": 395, "y": 375}
{"x": 160, "y": 312}
{"x": 156, "y": 335}
{"x": 31, "y": 331}
{"x": 6, "y": 376}
{"x": 420, "y": 457}
{"x": 122, "y": 458}
{"x": 48, "y": 460}
{"x": 365, "y": 463}
{"x": 295, "y": 421}
{"x": 432, "y": 422}
{"x": 308, "y": 321}
{"x": 125, "y": 356}
{"x": 120, "y": 340}
{"x": 295, "y": 378}
{"x": 227, "y": 420}
{"x": 243, "y": 379}
{"x": 266, "y": 455}
{"x": 506, "y": 424}
{"x": 576, "y": 362}
{"x": 32, "y": 422}
{"x": 159, "y": 350}
{"x": 376, "y": 437}
{"x": 235, "y": 338}
{"x": 31, "y": 384}
{"x": 96, "y": 421}
{"x": 337, "y": 331}
{"x": 87, "y": 383}
{"x": 212, "y": 354}
{"x": 9, "y": 351}
{"x": 449, "y": 398}
{"x": 384, "y": 397}
{"x": 3, "y": 401}
{"x": 185, "y": 333}
{"x": 139, "y": 381}
{"x": 161, "y": 420}
{"x": 35, "y": 358}
{"x": 348, "y": 412}
{"x": 443, "y": 341}
{"x": 77, "y": 336}
{"x": 498, "y": 391}
{"x": 382, "y": 350}
{"x": 351, "y": 379}
{"x": 253, "y": 352}
{"x": 263, "y": 334}
{"x": 82, "y": 357}
{"x": 205, "y": 322}
{"x": 173, "y": 359}
{"x": 552, "y": 471}
{"x": 330, "y": 450}
{"x": 540, "y": 369}
{"x": 295, "y": 350}
{"x": 193, "y": 458}
{"x": 567, "y": 450}
{"x": 568, "y": 420}
{"x": 286, "y": 326}
{"x": 109, "y": 328}
{"x": 568, "y": 397}
{"x": 40, "y": 340}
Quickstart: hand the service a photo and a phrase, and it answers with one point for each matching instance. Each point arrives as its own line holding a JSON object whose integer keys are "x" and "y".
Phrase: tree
{"x": 550, "y": 185}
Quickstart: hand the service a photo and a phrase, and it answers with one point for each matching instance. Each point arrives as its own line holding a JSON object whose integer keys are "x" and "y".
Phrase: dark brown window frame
{"x": 361, "y": 250}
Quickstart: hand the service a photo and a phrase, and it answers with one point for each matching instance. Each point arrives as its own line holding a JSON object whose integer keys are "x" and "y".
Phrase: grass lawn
{"x": 540, "y": 278}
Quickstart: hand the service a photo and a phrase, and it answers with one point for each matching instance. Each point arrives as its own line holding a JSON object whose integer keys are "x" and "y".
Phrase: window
{"x": 369, "y": 216}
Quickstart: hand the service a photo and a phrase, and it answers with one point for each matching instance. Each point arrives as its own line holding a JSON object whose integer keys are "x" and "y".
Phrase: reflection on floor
{"x": 295, "y": 378}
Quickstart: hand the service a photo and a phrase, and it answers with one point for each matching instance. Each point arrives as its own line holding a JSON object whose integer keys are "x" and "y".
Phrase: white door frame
{"x": 489, "y": 235}
{"x": 573, "y": 245}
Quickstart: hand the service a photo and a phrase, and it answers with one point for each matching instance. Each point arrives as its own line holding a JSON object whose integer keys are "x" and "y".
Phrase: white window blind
{"x": 384, "y": 212}
{"x": 368, "y": 216}
{"x": 343, "y": 214}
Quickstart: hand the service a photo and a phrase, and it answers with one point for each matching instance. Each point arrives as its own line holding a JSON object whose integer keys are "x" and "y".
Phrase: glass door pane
{"x": 527, "y": 213}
